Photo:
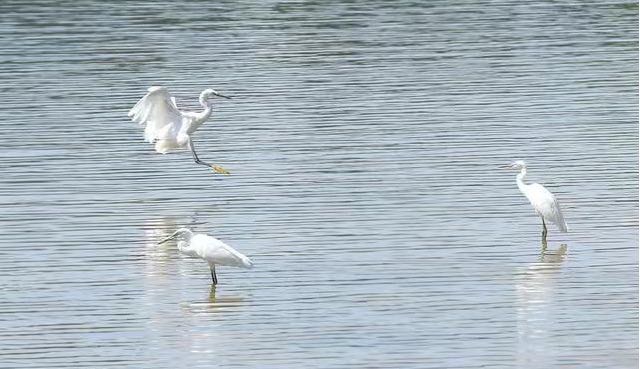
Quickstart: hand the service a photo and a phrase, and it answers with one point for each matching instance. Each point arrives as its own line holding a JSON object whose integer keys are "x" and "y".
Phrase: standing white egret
{"x": 169, "y": 127}
{"x": 543, "y": 201}
{"x": 210, "y": 249}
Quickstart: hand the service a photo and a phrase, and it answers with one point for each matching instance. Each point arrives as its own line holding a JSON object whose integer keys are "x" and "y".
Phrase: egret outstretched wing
{"x": 158, "y": 112}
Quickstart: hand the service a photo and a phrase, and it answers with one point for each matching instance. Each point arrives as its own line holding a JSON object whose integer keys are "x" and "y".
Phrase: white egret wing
{"x": 546, "y": 205}
{"x": 157, "y": 110}
{"x": 218, "y": 252}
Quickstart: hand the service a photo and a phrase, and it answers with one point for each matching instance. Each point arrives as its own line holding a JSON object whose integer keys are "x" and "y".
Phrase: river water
{"x": 363, "y": 141}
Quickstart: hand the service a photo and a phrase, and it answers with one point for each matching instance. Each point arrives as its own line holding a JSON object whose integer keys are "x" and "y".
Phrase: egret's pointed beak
{"x": 221, "y": 95}
{"x": 505, "y": 167}
{"x": 167, "y": 239}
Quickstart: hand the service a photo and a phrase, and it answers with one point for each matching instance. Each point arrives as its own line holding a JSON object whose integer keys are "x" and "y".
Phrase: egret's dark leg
{"x": 212, "y": 293}
{"x": 216, "y": 168}
{"x": 195, "y": 155}
{"x": 544, "y": 248}
{"x": 214, "y": 278}
{"x": 544, "y": 230}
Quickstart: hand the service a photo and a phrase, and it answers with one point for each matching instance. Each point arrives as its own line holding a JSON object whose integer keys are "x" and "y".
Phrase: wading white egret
{"x": 543, "y": 201}
{"x": 210, "y": 249}
{"x": 169, "y": 127}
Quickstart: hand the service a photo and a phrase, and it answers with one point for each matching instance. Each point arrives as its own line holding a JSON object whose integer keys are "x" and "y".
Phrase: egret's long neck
{"x": 204, "y": 102}
{"x": 520, "y": 179}
{"x": 185, "y": 241}
{"x": 204, "y": 115}
{"x": 184, "y": 245}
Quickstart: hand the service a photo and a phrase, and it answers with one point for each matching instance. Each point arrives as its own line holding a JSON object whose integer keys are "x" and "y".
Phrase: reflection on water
{"x": 215, "y": 303}
{"x": 554, "y": 256}
{"x": 155, "y": 230}
{"x": 536, "y": 310}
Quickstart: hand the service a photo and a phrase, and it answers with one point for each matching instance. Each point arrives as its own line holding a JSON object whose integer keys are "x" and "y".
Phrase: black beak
{"x": 167, "y": 239}
{"x": 221, "y": 95}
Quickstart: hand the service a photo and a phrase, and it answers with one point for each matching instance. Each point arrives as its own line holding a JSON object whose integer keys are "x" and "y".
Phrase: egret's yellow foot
{"x": 220, "y": 170}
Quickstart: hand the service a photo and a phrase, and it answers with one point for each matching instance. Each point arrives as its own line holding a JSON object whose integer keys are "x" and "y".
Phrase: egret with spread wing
{"x": 543, "y": 201}
{"x": 209, "y": 249}
{"x": 168, "y": 127}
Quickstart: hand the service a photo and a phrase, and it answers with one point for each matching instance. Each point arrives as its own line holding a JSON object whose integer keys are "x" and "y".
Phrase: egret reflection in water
{"x": 217, "y": 302}
{"x": 536, "y": 317}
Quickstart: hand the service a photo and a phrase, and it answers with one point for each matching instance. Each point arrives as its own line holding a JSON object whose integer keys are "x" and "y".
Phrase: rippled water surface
{"x": 364, "y": 140}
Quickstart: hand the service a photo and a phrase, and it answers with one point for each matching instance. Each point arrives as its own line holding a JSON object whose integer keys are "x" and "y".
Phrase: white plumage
{"x": 214, "y": 251}
{"x": 167, "y": 126}
{"x": 164, "y": 123}
{"x": 210, "y": 249}
{"x": 544, "y": 202}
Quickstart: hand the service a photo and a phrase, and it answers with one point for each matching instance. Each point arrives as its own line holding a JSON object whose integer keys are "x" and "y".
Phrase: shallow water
{"x": 363, "y": 141}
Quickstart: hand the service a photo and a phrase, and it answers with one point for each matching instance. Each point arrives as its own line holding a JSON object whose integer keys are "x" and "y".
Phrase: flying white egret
{"x": 210, "y": 249}
{"x": 543, "y": 201}
{"x": 169, "y": 127}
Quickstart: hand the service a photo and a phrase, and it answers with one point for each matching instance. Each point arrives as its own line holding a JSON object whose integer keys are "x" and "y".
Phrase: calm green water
{"x": 363, "y": 140}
